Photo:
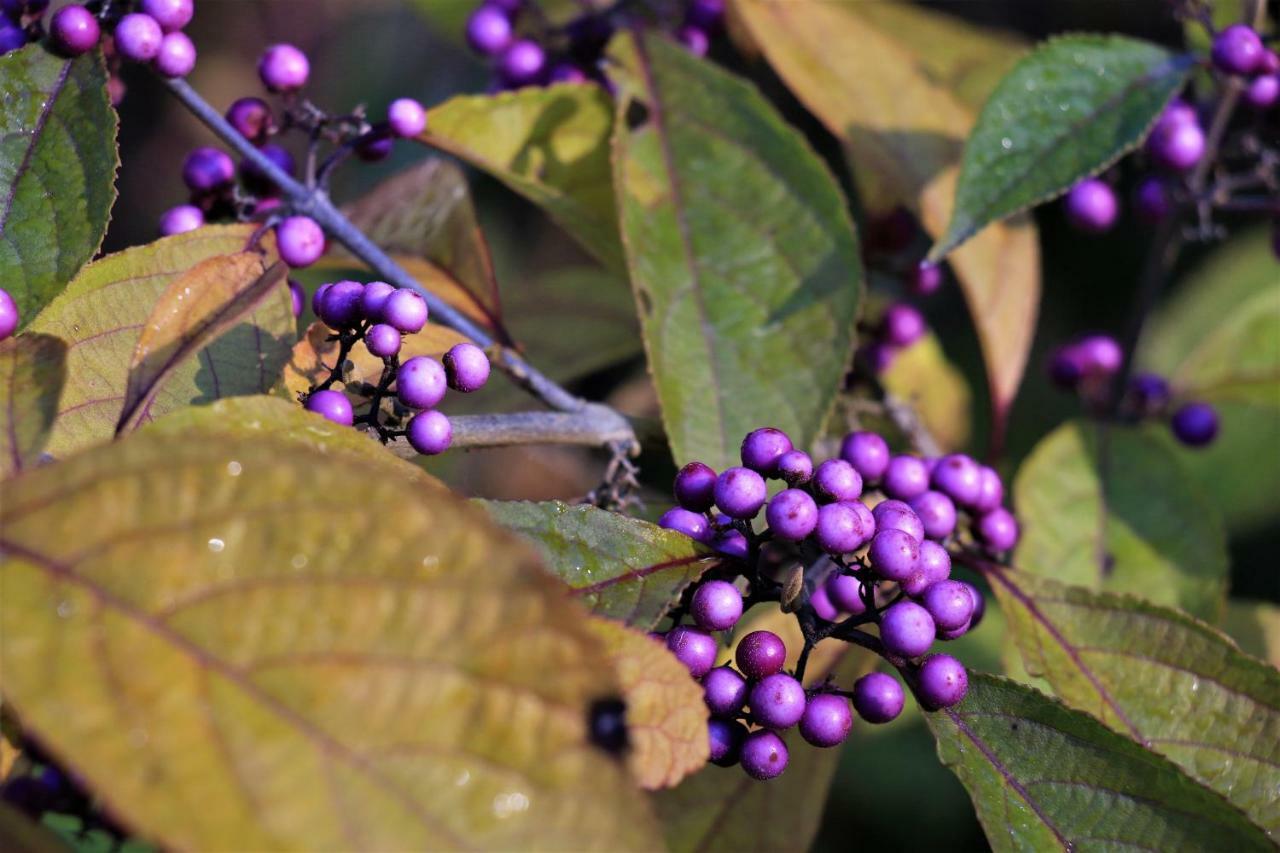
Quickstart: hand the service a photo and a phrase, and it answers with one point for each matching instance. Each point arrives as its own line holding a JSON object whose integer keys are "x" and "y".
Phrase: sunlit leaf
{"x": 1170, "y": 682}
{"x": 57, "y": 170}
{"x": 622, "y": 568}
{"x": 742, "y": 256}
{"x": 1045, "y": 777}
{"x": 936, "y": 390}
{"x": 294, "y": 652}
{"x": 32, "y": 370}
{"x": 1114, "y": 510}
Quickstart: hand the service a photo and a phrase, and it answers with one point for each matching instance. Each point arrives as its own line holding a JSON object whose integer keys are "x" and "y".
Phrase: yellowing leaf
{"x": 666, "y": 715}
{"x": 294, "y": 652}
{"x": 936, "y": 390}
{"x": 32, "y": 370}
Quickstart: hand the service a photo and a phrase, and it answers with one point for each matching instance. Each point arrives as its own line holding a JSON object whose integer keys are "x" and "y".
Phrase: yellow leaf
{"x": 936, "y": 390}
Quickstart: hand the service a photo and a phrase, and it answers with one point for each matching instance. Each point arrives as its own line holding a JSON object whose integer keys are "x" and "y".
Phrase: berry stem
{"x": 594, "y": 425}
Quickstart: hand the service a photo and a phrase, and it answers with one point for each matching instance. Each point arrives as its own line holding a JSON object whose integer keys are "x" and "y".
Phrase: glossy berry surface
{"x": 467, "y": 367}
{"x": 1177, "y": 145}
{"x": 12, "y": 36}
{"x": 691, "y": 524}
{"x": 1263, "y": 92}
{"x": 255, "y": 177}
{"x": 300, "y": 241}
{"x": 331, "y": 405}
{"x": 959, "y": 478}
{"x": 777, "y": 702}
{"x": 740, "y": 493}
{"x": 522, "y": 63}
{"x": 74, "y": 30}
{"x": 8, "y": 315}
{"x": 181, "y": 219}
{"x": 1238, "y": 49}
{"x": 376, "y": 294}
{"x": 795, "y": 467}
{"x": 429, "y": 433}
{"x": 405, "y": 310}
{"x": 694, "y": 39}
{"x": 949, "y": 603}
{"x": 792, "y": 514}
{"x": 695, "y": 487}
{"x": 138, "y": 37}
{"x": 406, "y": 117}
{"x": 991, "y": 493}
{"x": 1091, "y": 206}
{"x": 1195, "y": 424}
{"x": 943, "y": 682}
{"x": 764, "y": 755}
{"x": 252, "y": 119}
{"x": 694, "y": 648}
{"x": 731, "y": 543}
{"x": 207, "y": 169}
{"x": 176, "y": 57}
{"x": 866, "y": 452}
{"x": 342, "y": 305}
{"x": 283, "y": 68}
{"x": 725, "y": 738}
{"x": 894, "y": 554}
{"x": 841, "y": 529}
{"x": 382, "y": 340}
{"x": 760, "y": 654}
{"x": 937, "y": 514}
{"x": 907, "y": 629}
{"x": 902, "y": 325}
{"x": 762, "y": 448}
{"x": 420, "y": 382}
{"x": 171, "y": 15}
{"x": 821, "y": 604}
{"x": 827, "y": 720}
{"x": 716, "y": 606}
{"x": 837, "y": 480}
{"x": 896, "y": 515}
{"x": 934, "y": 566}
{"x": 998, "y": 529}
{"x": 844, "y": 593}
{"x": 724, "y": 691}
{"x": 906, "y": 477}
{"x": 878, "y": 697}
{"x": 489, "y": 30}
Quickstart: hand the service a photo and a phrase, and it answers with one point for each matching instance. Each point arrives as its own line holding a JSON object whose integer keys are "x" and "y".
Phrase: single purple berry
{"x": 74, "y": 30}
{"x": 405, "y": 310}
{"x": 878, "y": 697}
{"x": 1151, "y": 200}
{"x": 566, "y": 72}
{"x": 717, "y": 605}
{"x": 382, "y": 340}
{"x": 740, "y": 492}
{"x": 867, "y": 452}
{"x": 420, "y": 382}
{"x": 12, "y": 36}
{"x": 406, "y": 117}
{"x": 1263, "y": 92}
{"x": 1066, "y": 367}
{"x": 1150, "y": 391}
{"x": 760, "y": 654}
{"x": 707, "y": 14}
{"x": 841, "y": 529}
{"x": 300, "y": 241}
{"x": 998, "y": 529}
{"x": 180, "y": 220}
{"x": 894, "y": 554}
{"x": 934, "y": 567}
{"x": 317, "y": 298}
{"x": 256, "y": 179}
{"x": 252, "y": 119}
{"x": 896, "y": 515}
{"x": 902, "y": 325}
{"x": 937, "y": 514}
{"x": 926, "y": 278}
{"x": 959, "y": 478}
{"x": 907, "y": 629}
{"x": 171, "y": 15}
{"x": 522, "y": 63}
{"x": 176, "y": 57}
{"x": 943, "y": 682}
{"x": 949, "y": 603}
{"x": 777, "y": 702}
{"x": 1195, "y": 424}
{"x": 907, "y": 477}
{"x": 878, "y": 355}
{"x": 827, "y": 720}
{"x": 1176, "y": 145}
{"x": 375, "y": 145}
{"x": 695, "y": 487}
{"x": 837, "y": 480}
{"x": 1238, "y": 50}
{"x": 207, "y": 169}
{"x": 298, "y": 296}
{"x": 1091, "y": 206}
{"x": 430, "y": 433}
{"x": 694, "y": 40}
{"x": 795, "y": 467}
{"x": 342, "y": 305}
{"x": 1101, "y": 355}
{"x": 792, "y": 515}
{"x": 821, "y": 604}
{"x": 724, "y": 691}
{"x": 691, "y": 524}
{"x": 764, "y": 755}
{"x": 489, "y": 30}
{"x": 948, "y": 634}
{"x": 991, "y": 495}
{"x": 467, "y": 367}
{"x": 376, "y": 294}
{"x": 138, "y": 37}
{"x": 694, "y": 648}
{"x": 845, "y": 593}
{"x": 1270, "y": 63}
{"x": 283, "y": 68}
{"x": 331, "y": 405}
{"x": 726, "y": 738}
{"x": 979, "y": 604}
{"x": 762, "y": 448}
{"x": 8, "y": 314}
{"x": 731, "y": 543}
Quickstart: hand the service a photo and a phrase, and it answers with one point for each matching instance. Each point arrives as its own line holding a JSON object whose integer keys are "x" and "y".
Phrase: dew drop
{"x": 1006, "y": 143}
{"x": 216, "y": 545}
{"x": 234, "y": 468}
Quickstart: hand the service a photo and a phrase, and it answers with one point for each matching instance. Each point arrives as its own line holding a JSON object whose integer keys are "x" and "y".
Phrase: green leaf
{"x": 1068, "y": 110}
{"x": 293, "y": 652}
{"x": 1120, "y": 516}
{"x": 32, "y": 370}
{"x": 550, "y": 145}
{"x": 1170, "y": 682}
{"x": 1045, "y": 777}
{"x": 102, "y": 313}
{"x": 900, "y": 105}
{"x": 622, "y": 568}
{"x": 742, "y": 255}
{"x": 936, "y": 390}
{"x": 1255, "y": 626}
{"x": 57, "y": 170}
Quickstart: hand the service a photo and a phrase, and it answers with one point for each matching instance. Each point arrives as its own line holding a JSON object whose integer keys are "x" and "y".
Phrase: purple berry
{"x": 1195, "y": 424}
{"x": 522, "y": 63}
{"x": 907, "y": 477}
{"x": 1066, "y": 368}
{"x": 176, "y": 57}
{"x": 949, "y": 603}
{"x": 991, "y": 495}
{"x": 375, "y": 145}
{"x": 331, "y": 405}
{"x": 430, "y": 433}
{"x": 926, "y": 278}
{"x": 937, "y": 514}
{"x": 406, "y": 117}
{"x": 998, "y": 529}
{"x": 1100, "y": 355}
{"x": 726, "y": 738}
{"x": 8, "y": 314}
{"x": 1176, "y": 145}
{"x": 181, "y": 219}
{"x": 717, "y": 605}
{"x": 878, "y": 697}
{"x": 376, "y": 294}
{"x": 845, "y": 593}
{"x": 706, "y": 14}
{"x": 694, "y": 648}
{"x": 959, "y": 478}
{"x": 691, "y": 524}
{"x": 777, "y": 702}
{"x": 382, "y": 340}
{"x": 256, "y": 179}
{"x": 979, "y": 604}
{"x": 943, "y": 682}
{"x": 827, "y": 720}
{"x": 731, "y": 543}
{"x": 762, "y": 448}
{"x": 12, "y": 36}
{"x": 760, "y": 654}
{"x": 866, "y": 452}
{"x": 795, "y": 467}
{"x": 74, "y": 30}
{"x": 934, "y": 567}
{"x": 1150, "y": 391}
{"x": 467, "y": 367}
{"x": 283, "y": 68}
{"x": 695, "y": 487}
{"x": 896, "y": 515}
{"x": 171, "y": 15}
{"x": 740, "y": 492}
{"x": 1151, "y": 200}
{"x": 342, "y": 305}
{"x": 764, "y": 755}
{"x": 724, "y": 691}
{"x": 1091, "y": 206}
{"x": 138, "y": 37}
{"x": 694, "y": 40}
{"x": 907, "y": 629}
{"x": 894, "y": 555}
{"x": 792, "y": 515}
{"x": 948, "y": 634}
{"x": 902, "y": 325}
{"x": 822, "y": 606}
{"x": 300, "y": 241}
{"x": 1270, "y": 63}
{"x": 1263, "y": 92}
{"x": 317, "y": 298}
{"x": 837, "y": 480}
{"x": 252, "y": 119}
{"x": 489, "y": 30}
{"x": 405, "y": 310}
{"x": 1238, "y": 50}
{"x": 420, "y": 382}
{"x": 566, "y": 72}
{"x": 298, "y": 296}
{"x": 878, "y": 356}
{"x": 207, "y": 169}
{"x": 841, "y": 529}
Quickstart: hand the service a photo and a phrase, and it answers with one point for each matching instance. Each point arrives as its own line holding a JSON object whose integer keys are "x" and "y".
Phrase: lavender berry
{"x": 691, "y": 524}
{"x": 1238, "y": 50}
{"x": 376, "y": 294}
{"x": 894, "y": 555}
{"x": 341, "y": 306}
{"x": 949, "y": 603}
{"x": 1091, "y": 206}
{"x": 429, "y": 432}
{"x": 138, "y": 37}
{"x": 716, "y": 606}
{"x": 726, "y": 738}
{"x": 867, "y": 452}
{"x": 489, "y": 30}
{"x": 171, "y": 15}
{"x": 420, "y": 382}
{"x": 878, "y": 697}
{"x": 382, "y": 340}
{"x": 406, "y": 118}
{"x": 181, "y": 219}
{"x": 778, "y": 701}
{"x": 845, "y": 593}
{"x": 405, "y": 310}
{"x": 762, "y": 448}
{"x": 943, "y": 682}
{"x": 841, "y": 529}
{"x": 896, "y": 515}
{"x": 998, "y": 529}
{"x": 331, "y": 405}
{"x": 907, "y": 477}
{"x": 827, "y": 720}
{"x": 907, "y": 629}
{"x": 74, "y": 30}
{"x": 467, "y": 367}
{"x": 902, "y": 325}
{"x": 934, "y": 566}
{"x": 837, "y": 480}
{"x": 176, "y": 57}
{"x": 300, "y": 241}
{"x": 926, "y": 278}
{"x": 792, "y": 515}
{"x": 252, "y": 119}
{"x": 937, "y": 514}
{"x": 760, "y": 654}
{"x": 764, "y": 755}
{"x": 724, "y": 691}
{"x": 522, "y": 63}
{"x": 8, "y": 315}
{"x": 207, "y": 169}
{"x": 958, "y": 477}
{"x": 740, "y": 493}
{"x": 283, "y": 68}
{"x": 795, "y": 467}
{"x": 694, "y": 648}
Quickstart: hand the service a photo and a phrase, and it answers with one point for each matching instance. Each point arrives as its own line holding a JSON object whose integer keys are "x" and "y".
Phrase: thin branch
{"x": 594, "y": 425}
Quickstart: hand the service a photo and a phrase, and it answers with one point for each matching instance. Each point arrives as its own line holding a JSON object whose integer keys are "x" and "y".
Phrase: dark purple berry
{"x": 902, "y": 325}
{"x": 607, "y": 725}
{"x": 1238, "y": 50}
{"x": 171, "y": 15}
{"x": 777, "y": 702}
{"x": 837, "y": 480}
{"x": 894, "y": 555}
{"x": 878, "y": 697}
{"x": 764, "y": 755}
{"x": 374, "y": 146}
{"x": 959, "y": 478}
{"x": 731, "y": 543}
{"x": 420, "y": 382}
{"x": 943, "y": 682}
{"x": 1195, "y": 424}
{"x": 1151, "y": 200}
{"x": 934, "y": 566}
{"x": 430, "y": 432}
{"x": 695, "y": 487}
{"x": 949, "y": 603}
{"x": 795, "y": 467}
{"x": 252, "y": 119}
{"x": 8, "y": 314}
{"x": 827, "y": 720}
{"x": 331, "y": 405}
{"x": 176, "y": 57}
{"x": 740, "y": 493}
{"x": 821, "y": 604}
{"x": 724, "y": 691}
{"x": 283, "y": 68}
{"x": 376, "y": 294}
{"x": 845, "y": 593}
{"x": 12, "y": 36}
{"x": 878, "y": 355}
{"x": 705, "y": 14}
{"x": 907, "y": 477}
{"x": 180, "y": 220}
{"x": 406, "y": 118}
{"x": 467, "y": 367}
{"x": 1066, "y": 368}
{"x": 937, "y": 514}
{"x": 717, "y": 605}
{"x": 694, "y": 648}
{"x": 256, "y": 179}
{"x": 1091, "y": 206}
{"x": 489, "y": 30}
{"x": 74, "y": 30}
{"x": 726, "y": 738}
{"x": 907, "y": 629}
{"x": 566, "y": 72}
{"x": 138, "y": 37}
{"x": 896, "y": 515}
{"x": 405, "y": 310}
{"x": 762, "y": 448}
{"x": 382, "y": 340}
{"x": 948, "y": 634}
{"x": 342, "y": 305}
{"x": 841, "y": 529}
{"x": 998, "y": 529}
{"x": 300, "y": 241}
{"x": 522, "y": 63}
{"x": 760, "y": 654}
{"x": 926, "y": 278}
{"x": 317, "y": 298}
{"x": 866, "y": 452}
{"x": 792, "y": 515}
{"x": 1150, "y": 392}
{"x": 691, "y": 524}
{"x": 207, "y": 169}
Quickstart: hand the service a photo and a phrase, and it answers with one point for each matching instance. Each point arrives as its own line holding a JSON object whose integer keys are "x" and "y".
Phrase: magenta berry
{"x": 522, "y": 63}
{"x": 694, "y": 40}
{"x": 300, "y": 241}
{"x": 467, "y": 367}
{"x": 949, "y": 603}
{"x": 837, "y": 480}
{"x": 998, "y": 529}
{"x": 342, "y": 305}
{"x": 795, "y": 467}
{"x": 74, "y": 30}
{"x": 792, "y": 515}
{"x": 695, "y": 487}
{"x": 902, "y": 325}
{"x": 926, "y": 278}
{"x": 256, "y": 179}
{"x": 717, "y": 605}
{"x": 724, "y": 691}
{"x": 907, "y": 477}
{"x": 740, "y": 493}
{"x": 827, "y": 720}
{"x": 943, "y": 682}
{"x": 1195, "y": 424}
{"x": 171, "y": 15}
{"x": 1100, "y": 355}
{"x": 566, "y": 72}
{"x": 1238, "y": 50}
{"x": 694, "y": 648}
{"x": 1176, "y": 144}
{"x": 176, "y": 57}
{"x": 691, "y": 524}
{"x": 705, "y": 14}
{"x": 841, "y": 529}
{"x": 764, "y": 755}
{"x": 376, "y": 294}
{"x": 867, "y": 452}
{"x": 138, "y": 37}
{"x": 331, "y": 405}
{"x": 405, "y": 310}
{"x": 1263, "y": 92}
{"x": 252, "y": 119}
{"x": 760, "y": 654}
{"x": 907, "y": 629}
{"x": 207, "y": 169}
{"x": 181, "y": 219}
{"x": 406, "y": 118}
{"x": 878, "y": 697}
{"x": 777, "y": 702}
{"x": 382, "y": 340}
{"x": 420, "y": 382}
{"x": 1091, "y": 206}
{"x": 894, "y": 555}
{"x": 959, "y": 478}
{"x": 489, "y": 30}
{"x": 283, "y": 68}
{"x": 845, "y": 593}
{"x": 429, "y": 433}
{"x": 937, "y": 514}
{"x": 8, "y": 315}
{"x": 896, "y": 515}
{"x": 317, "y": 298}
{"x": 726, "y": 738}
{"x": 762, "y": 448}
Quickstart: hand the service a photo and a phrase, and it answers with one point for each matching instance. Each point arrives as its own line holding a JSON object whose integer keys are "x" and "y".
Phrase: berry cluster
{"x": 865, "y": 534}
{"x": 1088, "y": 366}
{"x": 527, "y": 51}
{"x": 379, "y": 315}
